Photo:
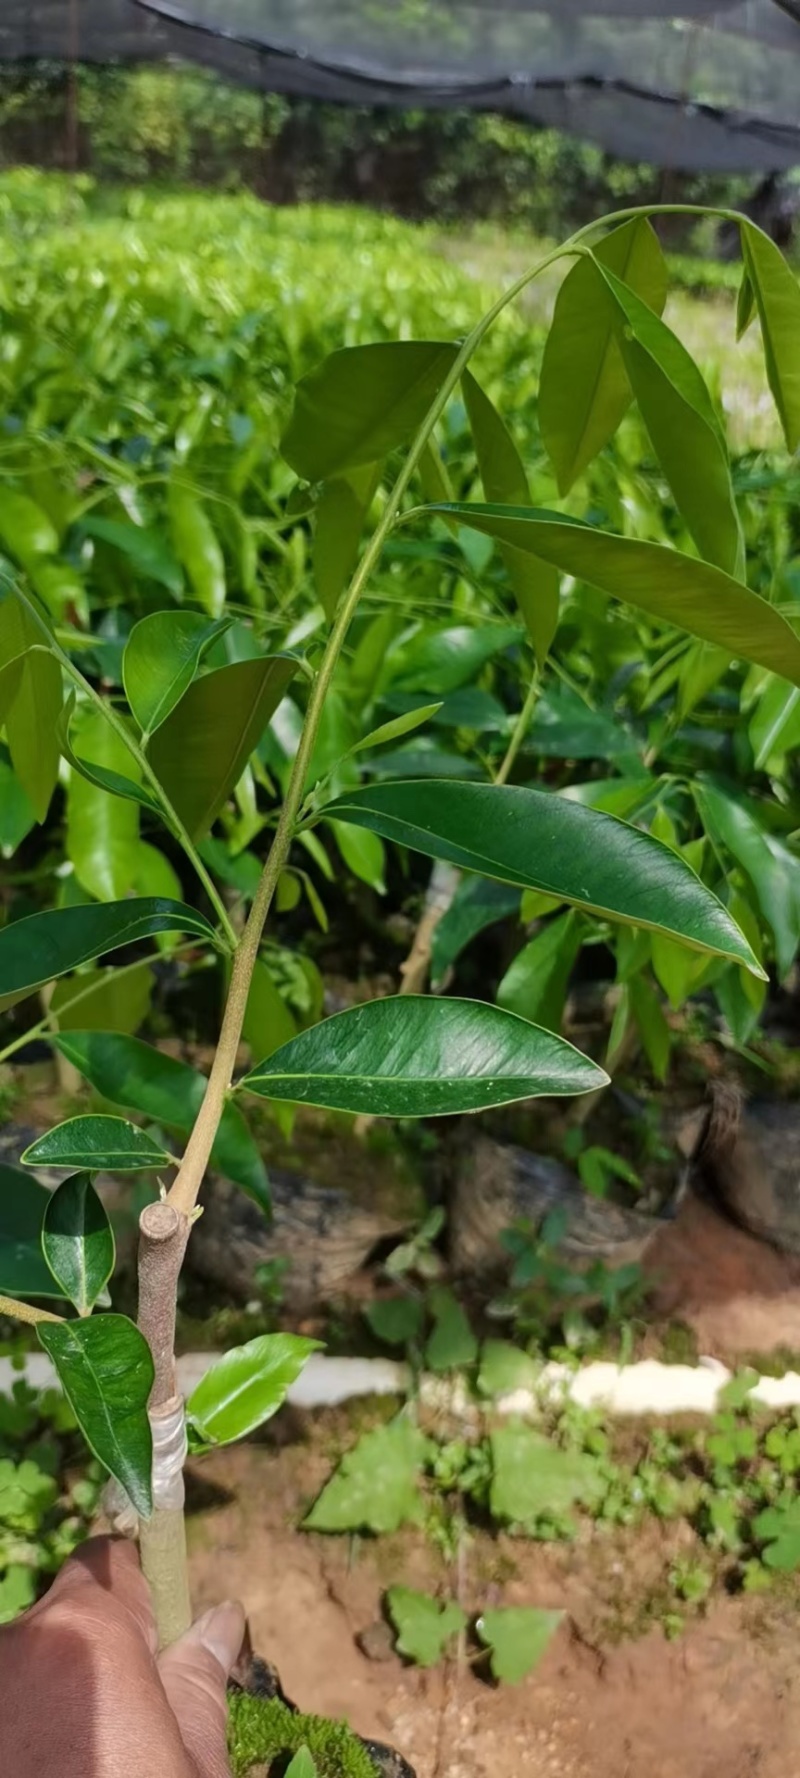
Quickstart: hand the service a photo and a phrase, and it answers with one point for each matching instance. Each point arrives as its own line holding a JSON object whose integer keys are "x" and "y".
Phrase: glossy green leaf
{"x": 415, "y": 1056}
{"x": 773, "y": 870}
{"x": 197, "y": 547}
{"x": 201, "y": 750}
{"x": 672, "y": 587}
{"x": 103, "y": 999}
{"x": 774, "y": 727}
{"x": 103, "y": 741}
{"x": 31, "y": 696}
{"x": 683, "y": 425}
{"x": 535, "y": 984}
{"x": 139, "y": 1078}
{"x": 550, "y": 843}
{"x": 99, "y": 1144}
{"x": 517, "y": 1636}
{"x": 564, "y": 726}
{"x": 441, "y": 660}
{"x": 145, "y": 548}
{"x": 361, "y": 403}
{"x": 584, "y": 390}
{"x": 246, "y": 1387}
{"x": 340, "y": 517}
{"x": 102, "y": 836}
{"x": 366, "y": 861}
{"x": 161, "y": 658}
{"x": 77, "y": 1241}
{"x": 424, "y": 1626}
{"x": 777, "y": 298}
{"x": 376, "y": 1487}
{"x": 504, "y": 480}
{"x": 25, "y": 530}
{"x": 43, "y": 946}
{"x": 106, "y": 1372}
{"x": 23, "y": 1270}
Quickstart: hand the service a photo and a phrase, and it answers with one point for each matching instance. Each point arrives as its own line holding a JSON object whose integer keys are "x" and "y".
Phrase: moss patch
{"x": 262, "y": 1732}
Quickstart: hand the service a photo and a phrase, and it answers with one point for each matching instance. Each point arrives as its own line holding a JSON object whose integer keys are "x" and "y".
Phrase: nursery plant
{"x": 174, "y": 749}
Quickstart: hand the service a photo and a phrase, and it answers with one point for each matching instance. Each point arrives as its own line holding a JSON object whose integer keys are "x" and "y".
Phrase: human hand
{"x": 83, "y": 1693}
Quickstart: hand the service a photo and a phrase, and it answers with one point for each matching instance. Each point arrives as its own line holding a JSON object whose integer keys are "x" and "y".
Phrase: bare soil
{"x": 613, "y": 1698}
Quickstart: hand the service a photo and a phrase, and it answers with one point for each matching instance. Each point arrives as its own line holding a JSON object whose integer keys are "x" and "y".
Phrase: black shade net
{"x": 707, "y": 86}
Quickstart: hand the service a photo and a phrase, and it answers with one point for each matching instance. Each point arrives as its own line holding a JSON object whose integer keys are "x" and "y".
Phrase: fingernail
{"x": 221, "y": 1631}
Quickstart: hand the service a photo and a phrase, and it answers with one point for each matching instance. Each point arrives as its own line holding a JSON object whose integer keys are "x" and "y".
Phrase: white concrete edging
{"x": 636, "y": 1389}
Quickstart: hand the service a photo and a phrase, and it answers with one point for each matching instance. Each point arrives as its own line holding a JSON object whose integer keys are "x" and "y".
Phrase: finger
{"x": 104, "y": 1568}
{"x": 194, "y": 1674}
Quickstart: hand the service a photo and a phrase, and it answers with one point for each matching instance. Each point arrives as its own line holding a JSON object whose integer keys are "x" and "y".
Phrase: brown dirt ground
{"x": 611, "y": 1699}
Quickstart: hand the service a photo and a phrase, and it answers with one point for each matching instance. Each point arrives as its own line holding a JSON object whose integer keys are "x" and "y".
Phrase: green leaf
{"x": 43, "y": 946}
{"x": 17, "y": 814}
{"x": 683, "y": 426}
{"x": 779, "y": 1528}
{"x": 23, "y": 1272}
{"x": 25, "y": 528}
{"x": 197, "y": 548}
{"x": 246, "y": 1387}
{"x": 452, "y": 1343}
{"x": 31, "y": 696}
{"x": 162, "y": 655}
{"x": 100, "y": 1144}
{"x": 340, "y": 516}
{"x": 424, "y": 1627}
{"x": 478, "y": 902}
{"x": 533, "y": 1479}
{"x": 268, "y": 1022}
{"x": 674, "y": 588}
{"x": 774, "y": 727}
{"x": 399, "y": 725}
{"x": 77, "y": 1241}
{"x": 414, "y": 1056}
{"x": 302, "y": 1765}
{"x": 17, "y": 1591}
{"x": 367, "y": 861}
{"x": 745, "y": 305}
{"x": 771, "y": 867}
{"x": 584, "y": 390}
{"x": 444, "y": 659}
{"x": 130, "y": 1073}
{"x": 106, "y": 1372}
{"x": 535, "y": 984}
{"x": 505, "y": 1368}
{"x": 146, "y": 550}
{"x": 361, "y": 403}
{"x": 517, "y": 1636}
{"x": 504, "y": 480}
{"x": 547, "y": 842}
{"x": 110, "y": 999}
{"x": 376, "y": 1487}
{"x": 651, "y": 1023}
{"x": 102, "y": 741}
{"x": 201, "y": 750}
{"x": 102, "y": 830}
{"x": 395, "y": 1319}
{"x": 777, "y": 297}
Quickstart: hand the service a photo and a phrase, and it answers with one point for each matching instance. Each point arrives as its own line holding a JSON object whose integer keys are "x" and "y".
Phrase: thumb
{"x": 194, "y": 1674}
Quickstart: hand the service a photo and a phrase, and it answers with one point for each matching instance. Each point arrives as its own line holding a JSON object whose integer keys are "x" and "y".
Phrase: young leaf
{"x": 42, "y": 946}
{"x": 132, "y": 1074}
{"x": 103, "y": 999}
{"x": 100, "y": 1144}
{"x": 23, "y": 1271}
{"x": 584, "y": 390}
{"x": 31, "y": 696}
{"x": 197, "y": 548}
{"x": 340, "y": 514}
{"x": 391, "y": 731}
{"x": 745, "y": 305}
{"x": 504, "y": 480}
{"x": 772, "y": 868}
{"x": 651, "y": 1024}
{"x": 517, "y": 1636}
{"x": 201, "y": 750}
{"x": 94, "y": 771}
{"x": 106, "y": 1372}
{"x": 452, "y": 1343}
{"x": 532, "y": 1478}
{"x": 267, "y": 1020}
{"x": 683, "y": 426}
{"x": 542, "y": 841}
{"x": 162, "y": 655}
{"x": 302, "y": 1765}
{"x": 424, "y": 1627}
{"x": 361, "y": 403}
{"x": 376, "y": 1487}
{"x": 25, "y": 529}
{"x": 535, "y": 984}
{"x": 413, "y": 1056}
{"x": 672, "y": 587}
{"x": 367, "y": 862}
{"x": 777, "y": 297}
{"x": 505, "y": 1368}
{"x": 246, "y": 1387}
{"x": 77, "y": 1242}
{"x": 102, "y": 830}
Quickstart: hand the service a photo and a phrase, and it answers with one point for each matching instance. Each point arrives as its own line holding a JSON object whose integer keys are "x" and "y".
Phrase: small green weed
{"x": 45, "y": 1510}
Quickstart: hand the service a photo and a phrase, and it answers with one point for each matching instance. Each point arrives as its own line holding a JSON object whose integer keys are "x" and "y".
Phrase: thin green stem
{"x": 46, "y": 1024}
{"x": 519, "y": 731}
{"x": 136, "y": 752}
